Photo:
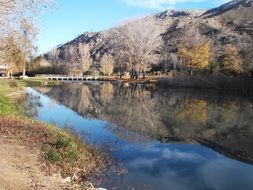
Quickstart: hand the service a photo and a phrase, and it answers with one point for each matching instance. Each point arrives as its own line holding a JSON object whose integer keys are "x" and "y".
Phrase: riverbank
{"x": 240, "y": 84}
{"x": 60, "y": 78}
{"x": 42, "y": 156}
{"x": 149, "y": 79}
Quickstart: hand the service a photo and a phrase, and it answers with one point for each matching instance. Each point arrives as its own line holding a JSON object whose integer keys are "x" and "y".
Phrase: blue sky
{"x": 71, "y": 18}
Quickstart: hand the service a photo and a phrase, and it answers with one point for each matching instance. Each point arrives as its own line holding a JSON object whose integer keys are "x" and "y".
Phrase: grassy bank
{"x": 12, "y": 91}
{"x": 213, "y": 82}
{"x": 34, "y": 81}
{"x": 59, "y": 151}
{"x": 8, "y": 98}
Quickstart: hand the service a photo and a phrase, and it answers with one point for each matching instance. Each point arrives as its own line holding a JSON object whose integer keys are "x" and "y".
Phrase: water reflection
{"x": 223, "y": 123}
{"x": 144, "y": 120}
{"x": 31, "y": 104}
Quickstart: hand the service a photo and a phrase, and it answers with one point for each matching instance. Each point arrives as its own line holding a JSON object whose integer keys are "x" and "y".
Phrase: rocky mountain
{"x": 226, "y": 7}
{"x": 229, "y": 24}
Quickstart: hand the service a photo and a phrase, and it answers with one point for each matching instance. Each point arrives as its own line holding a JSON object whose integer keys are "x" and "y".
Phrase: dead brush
{"x": 60, "y": 151}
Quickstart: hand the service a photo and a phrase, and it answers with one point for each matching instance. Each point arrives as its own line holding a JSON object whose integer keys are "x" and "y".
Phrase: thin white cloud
{"x": 164, "y": 4}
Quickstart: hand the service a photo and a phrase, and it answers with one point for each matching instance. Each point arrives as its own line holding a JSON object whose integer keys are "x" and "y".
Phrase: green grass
{"x": 65, "y": 148}
{"x": 8, "y": 105}
{"x": 35, "y": 81}
{"x": 53, "y": 156}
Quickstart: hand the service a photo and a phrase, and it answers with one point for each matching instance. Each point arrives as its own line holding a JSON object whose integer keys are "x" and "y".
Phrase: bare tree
{"x": 17, "y": 22}
{"x": 71, "y": 59}
{"x": 175, "y": 61}
{"x": 18, "y": 49}
{"x": 11, "y": 55}
{"x": 168, "y": 59}
{"x": 26, "y": 43}
{"x": 135, "y": 43}
{"x": 85, "y": 57}
{"x": 12, "y": 12}
{"x": 107, "y": 65}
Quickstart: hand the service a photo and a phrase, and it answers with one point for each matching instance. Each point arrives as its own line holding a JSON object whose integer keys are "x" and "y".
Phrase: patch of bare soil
{"x": 20, "y": 169}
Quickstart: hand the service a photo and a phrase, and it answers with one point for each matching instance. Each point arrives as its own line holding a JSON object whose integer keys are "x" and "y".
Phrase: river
{"x": 163, "y": 139}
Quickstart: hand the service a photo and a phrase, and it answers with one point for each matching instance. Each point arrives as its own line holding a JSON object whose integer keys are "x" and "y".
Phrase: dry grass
{"x": 61, "y": 151}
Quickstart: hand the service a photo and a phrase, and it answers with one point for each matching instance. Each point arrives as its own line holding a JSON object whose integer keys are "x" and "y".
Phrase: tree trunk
{"x": 175, "y": 66}
{"x": 120, "y": 72}
{"x": 24, "y": 69}
{"x": 144, "y": 74}
{"x": 132, "y": 73}
{"x": 191, "y": 72}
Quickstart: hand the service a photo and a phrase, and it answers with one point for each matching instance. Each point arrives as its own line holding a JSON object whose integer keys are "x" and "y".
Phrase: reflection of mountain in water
{"x": 221, "y": 123}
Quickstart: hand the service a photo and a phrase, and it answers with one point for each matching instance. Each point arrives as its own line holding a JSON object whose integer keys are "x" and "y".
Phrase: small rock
{"x": 66, "y": 180}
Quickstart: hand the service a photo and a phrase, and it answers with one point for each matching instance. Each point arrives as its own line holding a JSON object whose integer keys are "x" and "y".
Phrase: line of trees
{"x": 138, "y": 47}
{"x": 197, "y": 54}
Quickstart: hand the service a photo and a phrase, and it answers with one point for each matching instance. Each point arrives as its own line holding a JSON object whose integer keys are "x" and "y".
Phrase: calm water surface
{"x": 165, "y": 139}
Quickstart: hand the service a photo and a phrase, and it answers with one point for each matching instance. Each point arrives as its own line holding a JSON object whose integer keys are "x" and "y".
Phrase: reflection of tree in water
{"x": 106, "y": 90}
{"x": 224, "y": 125}
{"x": 134, "y": 109}
{"x": 221, "y": 122}
{"x": 31, "y": 105}
{"x": 75, "y": 96}
{"x": 191, "y": 112}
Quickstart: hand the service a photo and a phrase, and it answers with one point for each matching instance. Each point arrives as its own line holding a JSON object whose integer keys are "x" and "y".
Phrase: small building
{"x": 3, "y": 71}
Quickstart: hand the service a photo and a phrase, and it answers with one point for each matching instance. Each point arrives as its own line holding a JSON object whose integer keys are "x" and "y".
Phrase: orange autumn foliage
{"x": 197, "y": 56}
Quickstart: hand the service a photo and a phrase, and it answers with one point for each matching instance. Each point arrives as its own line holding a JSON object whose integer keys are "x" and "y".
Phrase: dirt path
{"x": 19, "y": 169}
